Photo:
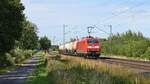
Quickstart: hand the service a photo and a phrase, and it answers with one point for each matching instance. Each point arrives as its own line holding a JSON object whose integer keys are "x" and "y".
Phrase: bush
{"x": 18, "y": 54}
{"x": 129, "y": 44}
{"x": 146, "y": 54}
{"x": 9, "y": 59}
{"x": 28, "y": 53}
{"x": 6, "y": 60}
{"x": 15, "y": 56}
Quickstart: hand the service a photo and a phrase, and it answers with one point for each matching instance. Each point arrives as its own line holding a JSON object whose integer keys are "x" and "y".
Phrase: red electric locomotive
{"x": 89, "y": 47}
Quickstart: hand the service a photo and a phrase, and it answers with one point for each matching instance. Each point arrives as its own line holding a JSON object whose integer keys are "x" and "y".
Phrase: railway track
{"x": 140, "y": 65}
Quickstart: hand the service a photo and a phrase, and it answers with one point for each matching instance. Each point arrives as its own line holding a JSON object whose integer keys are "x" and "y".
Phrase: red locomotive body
{"x": 87, "y": 47}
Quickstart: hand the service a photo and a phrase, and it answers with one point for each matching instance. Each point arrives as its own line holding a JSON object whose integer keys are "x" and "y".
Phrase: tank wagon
{"x": 87, "y": 47}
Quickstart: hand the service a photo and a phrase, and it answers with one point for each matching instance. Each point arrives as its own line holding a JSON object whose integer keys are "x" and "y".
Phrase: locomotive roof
{"x": 88, "y": 38}
{"x": 85, "y": 38}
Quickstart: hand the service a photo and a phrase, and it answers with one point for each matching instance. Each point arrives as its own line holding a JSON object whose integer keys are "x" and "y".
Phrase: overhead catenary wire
{"x": 122, "y": 12}
{"x": 101, "y": 30}
{"x": 118, "y": 14}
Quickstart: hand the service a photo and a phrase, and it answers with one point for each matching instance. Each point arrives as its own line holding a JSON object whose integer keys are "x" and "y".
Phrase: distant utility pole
{"x": 110, "y": 34}
{"x": 64, "y": 35}
{"x": 110, "y": 37}
{"x": 54, "y": 37}
{"x": 90, "y": 30}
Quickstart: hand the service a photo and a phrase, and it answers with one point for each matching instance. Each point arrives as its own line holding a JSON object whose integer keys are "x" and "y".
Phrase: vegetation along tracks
{"x": 141, "y": 67}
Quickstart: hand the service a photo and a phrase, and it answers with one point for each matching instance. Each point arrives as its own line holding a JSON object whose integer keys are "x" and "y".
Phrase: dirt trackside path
{"x": 20, "y": 75}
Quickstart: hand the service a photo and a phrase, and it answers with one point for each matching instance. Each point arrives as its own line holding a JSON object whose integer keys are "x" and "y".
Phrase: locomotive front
{"x": 93, "y": 47}
{"x": 89, "y": 48}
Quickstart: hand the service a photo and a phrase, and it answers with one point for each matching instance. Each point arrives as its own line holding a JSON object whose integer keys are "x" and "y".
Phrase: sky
{"x": 123, "y": 15}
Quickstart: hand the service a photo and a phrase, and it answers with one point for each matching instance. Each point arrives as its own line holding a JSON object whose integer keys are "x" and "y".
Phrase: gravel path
{"x": 20, "y": 75}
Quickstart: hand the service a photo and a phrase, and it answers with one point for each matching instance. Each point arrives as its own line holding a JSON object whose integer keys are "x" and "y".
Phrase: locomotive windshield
{"x": 93, "y": 41}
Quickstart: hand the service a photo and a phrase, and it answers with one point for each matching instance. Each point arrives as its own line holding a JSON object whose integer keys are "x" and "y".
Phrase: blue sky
{"x": 50, "y": 15}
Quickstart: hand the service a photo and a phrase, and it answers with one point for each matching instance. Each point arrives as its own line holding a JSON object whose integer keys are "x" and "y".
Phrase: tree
{"x": 45, "y": 43}
{"x": 129, "y": 44}
{"x": 29, "y": 38}
{"x": 11, "y": 19}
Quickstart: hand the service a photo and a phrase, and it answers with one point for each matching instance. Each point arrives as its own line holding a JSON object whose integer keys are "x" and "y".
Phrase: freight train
{"x": 88, "y": 47}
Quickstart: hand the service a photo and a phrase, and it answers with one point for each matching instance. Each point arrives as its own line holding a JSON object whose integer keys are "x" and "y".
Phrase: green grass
{"x": 70, "y": 70}
{"x": 61, "y": 72}
{"x": 39, "y": 76}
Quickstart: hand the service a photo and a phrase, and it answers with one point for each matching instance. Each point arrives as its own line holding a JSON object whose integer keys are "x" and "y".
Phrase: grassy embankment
{"x": 71, "y": 70}
{"x": 16, "y": 58}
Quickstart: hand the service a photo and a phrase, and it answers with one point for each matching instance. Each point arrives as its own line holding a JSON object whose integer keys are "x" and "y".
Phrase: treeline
{"x": 129, "y": 44}
{"x": 18, "y": 36}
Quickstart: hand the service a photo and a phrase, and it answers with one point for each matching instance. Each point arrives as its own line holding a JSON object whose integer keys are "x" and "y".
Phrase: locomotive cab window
{"x": 93, "y": 42}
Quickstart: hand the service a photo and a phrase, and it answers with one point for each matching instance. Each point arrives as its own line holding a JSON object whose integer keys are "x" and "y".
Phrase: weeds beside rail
{"x": 71, "y": 70}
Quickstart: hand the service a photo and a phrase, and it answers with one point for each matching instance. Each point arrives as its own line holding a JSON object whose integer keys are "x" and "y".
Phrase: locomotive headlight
{"x": 90, "y": 47}
{"x": 93, "y": 46}
{"x": 96, "y": 46}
